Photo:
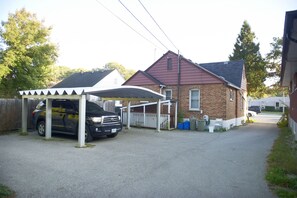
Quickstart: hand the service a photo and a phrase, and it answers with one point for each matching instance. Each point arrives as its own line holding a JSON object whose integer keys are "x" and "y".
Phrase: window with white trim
{"x": 168, "y": 94}
{"x": 169, "y": 63}
{"x": 194, "y": 99}
{"x": 232, "y": 95}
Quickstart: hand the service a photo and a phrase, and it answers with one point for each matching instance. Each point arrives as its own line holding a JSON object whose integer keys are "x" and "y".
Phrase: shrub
{"x": 283, "y": 121}
{"x": 269, "y": 108}
{"x": 5, "y": 192}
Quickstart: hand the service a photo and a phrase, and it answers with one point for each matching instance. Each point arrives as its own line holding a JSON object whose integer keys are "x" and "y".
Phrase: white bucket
{"x": 211, "y": 128}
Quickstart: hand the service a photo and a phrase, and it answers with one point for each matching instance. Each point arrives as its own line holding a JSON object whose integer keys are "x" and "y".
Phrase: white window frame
{"x": 190, "y": 100}
{"x": 169, "y": 90}
{"x": 232, "y": 94}
{"x": 169, "y": 63}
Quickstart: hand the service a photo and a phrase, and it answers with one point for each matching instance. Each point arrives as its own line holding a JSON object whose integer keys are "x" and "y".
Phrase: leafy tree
{"x": 26, "y": 54}
{"x": 245, "y": 48}
{"x": 59, "y": 73}
{"x": 126, "y": 73}
{"x": 273, "y": 59}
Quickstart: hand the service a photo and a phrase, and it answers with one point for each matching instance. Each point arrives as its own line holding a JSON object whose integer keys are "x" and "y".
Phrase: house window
{"x": 242, "y": 103}
{"x": 231, "y": 95}
{"x": 277, "y": 105}
{"x": 169, "y": 63}
{"x": 194, "y": 99}
{"x": 168, "y": 94}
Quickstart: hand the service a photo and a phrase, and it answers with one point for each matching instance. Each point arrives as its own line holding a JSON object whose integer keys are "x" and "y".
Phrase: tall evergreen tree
{"x": 245, "y": 48}
{"x": 25, "y": 53}
{"x": 274, "y": 58}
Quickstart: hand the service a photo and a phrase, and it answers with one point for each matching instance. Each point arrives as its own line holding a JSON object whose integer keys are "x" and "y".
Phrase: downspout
{"x": 236, "y": 107}
{"x": 161, "y": 88}
{"x": 178, "y": 81}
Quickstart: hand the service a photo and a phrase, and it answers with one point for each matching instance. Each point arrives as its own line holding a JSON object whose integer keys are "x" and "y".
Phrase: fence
{"x": 11, "y": 114}
{"x": 146, "y": 120}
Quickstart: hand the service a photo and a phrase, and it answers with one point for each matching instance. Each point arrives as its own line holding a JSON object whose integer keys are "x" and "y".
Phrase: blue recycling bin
{"x": 180, "y": 126}
{"x": 187, "y": 125}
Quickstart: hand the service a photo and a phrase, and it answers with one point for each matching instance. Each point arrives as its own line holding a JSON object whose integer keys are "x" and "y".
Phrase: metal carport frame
{"x": 127, "y": 93}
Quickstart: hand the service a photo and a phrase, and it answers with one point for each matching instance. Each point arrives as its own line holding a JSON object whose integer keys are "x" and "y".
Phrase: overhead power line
{"x": 143, "y": 25}
{"x": 157, "y": 23}
{"x": 119, "y": 18}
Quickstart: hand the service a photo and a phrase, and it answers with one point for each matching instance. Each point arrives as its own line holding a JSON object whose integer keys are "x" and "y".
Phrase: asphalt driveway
{"x": 141, "y": 163}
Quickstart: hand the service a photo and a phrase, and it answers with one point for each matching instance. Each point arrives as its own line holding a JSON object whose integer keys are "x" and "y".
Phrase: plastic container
{"x": 180, "y": 126}
{"x": 187, "y": 125}
{"x": 193, "y": 124}
{"x": 201, "y": 125}
{"x": 211, "y": 128}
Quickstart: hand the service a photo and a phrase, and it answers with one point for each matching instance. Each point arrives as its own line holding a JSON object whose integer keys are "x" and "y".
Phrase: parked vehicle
{"x": 251, "y": 113}
{"x": 257, "y": 109}
{"x": 65, "y": 119}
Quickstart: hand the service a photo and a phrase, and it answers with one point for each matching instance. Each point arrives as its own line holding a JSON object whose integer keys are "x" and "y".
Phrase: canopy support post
{"x": 48, "y": 119}
{"x": 82, "y": 121}
{"x": 128, "y": 114}
{"x": 158, "y": 115}
{"x": 24, "y": 114}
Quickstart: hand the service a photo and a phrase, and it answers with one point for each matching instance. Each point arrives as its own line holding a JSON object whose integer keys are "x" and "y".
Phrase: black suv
{"x": 256, "y": 109}
{"x": 65, "y": 119}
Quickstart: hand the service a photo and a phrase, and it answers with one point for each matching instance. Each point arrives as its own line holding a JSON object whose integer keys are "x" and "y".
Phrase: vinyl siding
{"x": 190, "y": 73}
{"x": 160, "y": 72}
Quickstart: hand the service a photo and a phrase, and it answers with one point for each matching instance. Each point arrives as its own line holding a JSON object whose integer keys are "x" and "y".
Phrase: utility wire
{"x": 156, "y": 23}
{"x": 126, "y": 23}
{"x": 143, "y": 25}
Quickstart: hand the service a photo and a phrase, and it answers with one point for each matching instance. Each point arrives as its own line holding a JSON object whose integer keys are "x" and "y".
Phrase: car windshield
{"x": 93, "y": 108}
{"x": 90, "y": 107}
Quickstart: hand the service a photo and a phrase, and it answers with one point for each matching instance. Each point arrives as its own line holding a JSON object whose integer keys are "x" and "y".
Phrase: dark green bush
{"x": 269, "y": 108}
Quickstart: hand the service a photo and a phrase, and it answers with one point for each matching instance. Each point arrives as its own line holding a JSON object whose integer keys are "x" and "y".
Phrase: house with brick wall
{"x": 218, "y": 90}
{"x": 289, "y": 66}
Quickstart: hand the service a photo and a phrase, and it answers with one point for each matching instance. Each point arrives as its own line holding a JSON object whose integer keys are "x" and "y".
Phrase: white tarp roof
{"x": 117, "y": 93}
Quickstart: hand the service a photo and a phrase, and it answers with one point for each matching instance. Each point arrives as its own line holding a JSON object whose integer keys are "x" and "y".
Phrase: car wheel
{"x": 41, "y": 128}
{"x": 112, "y": 135}
{"x": 88, "y": 135}
{"x": 249, "y": 115}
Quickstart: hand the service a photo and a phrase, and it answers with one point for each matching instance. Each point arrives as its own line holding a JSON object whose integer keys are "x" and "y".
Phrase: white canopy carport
{"x": 127, "y": 93}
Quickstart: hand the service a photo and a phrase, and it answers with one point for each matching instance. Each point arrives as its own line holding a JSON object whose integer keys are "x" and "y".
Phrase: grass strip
{"x": 282, "y": 165}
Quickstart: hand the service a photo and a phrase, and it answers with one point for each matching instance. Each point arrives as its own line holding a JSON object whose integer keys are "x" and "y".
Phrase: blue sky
{"x": 203, "y": 31}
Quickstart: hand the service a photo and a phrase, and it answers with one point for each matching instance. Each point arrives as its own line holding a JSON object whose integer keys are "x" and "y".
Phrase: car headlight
{"x": 119, "y": 117}
{"x": 96, "y": 119}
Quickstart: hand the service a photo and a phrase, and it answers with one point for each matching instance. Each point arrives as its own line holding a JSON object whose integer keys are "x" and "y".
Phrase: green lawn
{"x": 282, "y": 165}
